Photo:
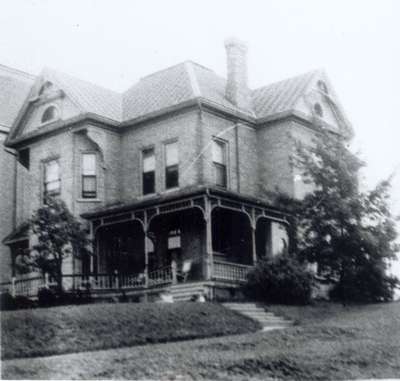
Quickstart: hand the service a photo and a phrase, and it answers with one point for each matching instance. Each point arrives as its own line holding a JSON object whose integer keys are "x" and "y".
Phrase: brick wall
{"x": 7, "y": 164}
{"x": 179, "y": 127}
{"x": 274, "y": 150}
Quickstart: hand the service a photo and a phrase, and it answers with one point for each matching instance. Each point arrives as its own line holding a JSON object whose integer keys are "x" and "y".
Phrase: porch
{"x": 209, "y": 236}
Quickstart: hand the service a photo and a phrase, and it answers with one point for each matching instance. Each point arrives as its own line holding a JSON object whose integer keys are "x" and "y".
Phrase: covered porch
{"x": 206, "y": 235}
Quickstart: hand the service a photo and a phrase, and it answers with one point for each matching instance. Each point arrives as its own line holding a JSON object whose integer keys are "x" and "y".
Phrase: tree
{"x": 59, "y": 234}
{"x": 350, "y": 234}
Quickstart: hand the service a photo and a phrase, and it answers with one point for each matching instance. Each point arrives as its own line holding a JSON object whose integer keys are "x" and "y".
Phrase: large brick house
{"x": 174, "y": 171}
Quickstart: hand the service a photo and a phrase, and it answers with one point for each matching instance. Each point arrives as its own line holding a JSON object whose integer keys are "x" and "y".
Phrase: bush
{"x": 366, "y": 284}
{"x": 48, "y": 297}
{"x": 19, "y": 302}
{"x": 280, "y": 280}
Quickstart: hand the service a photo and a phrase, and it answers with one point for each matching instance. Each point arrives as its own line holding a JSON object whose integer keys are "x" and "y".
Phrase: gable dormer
{"x": 46, "y": 104}
{"x": 320, "y": 103}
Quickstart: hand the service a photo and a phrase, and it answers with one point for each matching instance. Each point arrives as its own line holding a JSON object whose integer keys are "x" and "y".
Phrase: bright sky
{"x": 114, "y": 43}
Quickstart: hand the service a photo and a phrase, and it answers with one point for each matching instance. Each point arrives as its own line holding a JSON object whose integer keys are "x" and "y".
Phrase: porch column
{"x": 253, "y": 244}
{"x": 209, "y": 251}
{"x": 146, "y": 260}
{"x": 146, "y": 251}
{"x": 253, "y": 236}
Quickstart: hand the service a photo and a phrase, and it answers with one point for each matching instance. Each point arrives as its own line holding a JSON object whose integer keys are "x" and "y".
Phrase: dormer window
{"x": 318, "y": 110}
{"x": 322, "y": 86}
{"x": 51, "y": 113}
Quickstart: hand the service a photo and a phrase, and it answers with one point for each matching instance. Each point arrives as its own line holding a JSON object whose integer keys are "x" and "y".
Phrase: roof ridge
{"x": 194, "y": 83}
{"x": 310, "y": 73}
{"x": 17, "y": 71}
{"x": 59, "y": 72}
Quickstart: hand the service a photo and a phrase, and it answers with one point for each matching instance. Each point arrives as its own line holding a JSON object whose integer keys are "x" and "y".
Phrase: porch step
{"x": 268, "y": 320}
{"x": 186, "y": 291}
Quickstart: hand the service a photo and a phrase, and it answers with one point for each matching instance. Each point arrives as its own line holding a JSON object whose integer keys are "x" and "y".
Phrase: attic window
{"x": 49, "y": 114}
{"x": 322, "y": 86}
{"x": 318, "y": 110}
{"x": 46, "y": 86}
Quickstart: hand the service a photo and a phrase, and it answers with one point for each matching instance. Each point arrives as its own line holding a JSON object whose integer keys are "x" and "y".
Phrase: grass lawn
{"x": 331, "y": 343}
{"x": 42, "y": 332}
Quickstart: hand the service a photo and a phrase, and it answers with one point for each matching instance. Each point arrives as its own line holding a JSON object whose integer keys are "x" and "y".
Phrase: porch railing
{"x": 160, "y": 276}
{"x": 229, "y": 271}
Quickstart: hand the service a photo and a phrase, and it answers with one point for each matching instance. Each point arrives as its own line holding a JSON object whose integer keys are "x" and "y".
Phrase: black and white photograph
{"x": 200, "y": 190}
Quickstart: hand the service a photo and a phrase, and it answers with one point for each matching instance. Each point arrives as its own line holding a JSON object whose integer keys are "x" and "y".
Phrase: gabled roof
{"x": 172, "y": 87}
{"x": 281, "y": 96}
{"x": 14, "y": 87}
{"x": 90, "y": 97}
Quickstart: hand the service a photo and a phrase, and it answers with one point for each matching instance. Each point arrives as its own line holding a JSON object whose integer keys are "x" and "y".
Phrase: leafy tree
{"x": 59, "y": 234}
{"x": 350, "y": 234}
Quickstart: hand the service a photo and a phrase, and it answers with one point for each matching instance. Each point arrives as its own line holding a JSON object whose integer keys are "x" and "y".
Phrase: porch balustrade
{"x": 228, "y": 271}
{"x": 160, "y": 276}
{"x": 221, "y": 271}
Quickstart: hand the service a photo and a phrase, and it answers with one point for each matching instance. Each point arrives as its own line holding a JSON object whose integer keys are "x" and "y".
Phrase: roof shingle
{"x": 14, "y": 87}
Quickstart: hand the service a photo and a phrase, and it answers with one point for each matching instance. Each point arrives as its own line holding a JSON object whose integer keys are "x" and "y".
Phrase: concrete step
{"x": 268, "y": 320}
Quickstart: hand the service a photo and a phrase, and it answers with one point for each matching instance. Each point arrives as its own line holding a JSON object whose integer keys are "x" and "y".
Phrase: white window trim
{"x": 227, "y": 158}
{"x": 51, "y": 120}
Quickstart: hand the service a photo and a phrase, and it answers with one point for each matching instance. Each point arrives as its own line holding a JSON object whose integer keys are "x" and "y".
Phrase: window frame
{"x": 56, "y": 117}
{"x": 173, "y": 167}
{"x": 89, "y": 195}
{"x": 217, "y": 165}
{"x": 142, "y": 158}
{"x": 56, "y": 192}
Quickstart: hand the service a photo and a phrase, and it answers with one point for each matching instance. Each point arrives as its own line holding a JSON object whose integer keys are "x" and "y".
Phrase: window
{"x": 149, "y": 168}
{"x": 52, "y": 180}
{"x": 174, "y": 239}
{"x": 89, "y": 178}
{"x": 49, "y": 114}
{"x": 318, "y": 110}
{"x": 219, "y": 159}
{"x": 171, "y": 165}
{"x": 24, "y": 158}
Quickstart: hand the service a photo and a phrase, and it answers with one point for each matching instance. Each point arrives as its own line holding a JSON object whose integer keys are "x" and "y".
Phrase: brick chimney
{"x": 237, "y": 90}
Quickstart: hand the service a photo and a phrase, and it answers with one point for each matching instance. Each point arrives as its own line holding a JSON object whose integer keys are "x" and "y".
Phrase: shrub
{"x": 280, "y": 280}
{"x": 19, "y": 302}
{"x": 366, "y": 284}
{"x": 46, "y": 297}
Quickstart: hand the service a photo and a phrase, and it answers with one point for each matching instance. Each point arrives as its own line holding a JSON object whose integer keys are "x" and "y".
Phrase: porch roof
{"x": 186, "y": 192}
{"x": 19, "y": 233}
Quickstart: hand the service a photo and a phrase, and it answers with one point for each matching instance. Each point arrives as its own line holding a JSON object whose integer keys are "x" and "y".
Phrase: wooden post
{"x": 116, "y": 279}
{"x": 46, "y": 280}
{"x": 174, "y": 273}
{"x": 253, "y": 236}
{"x": 209, "y": 257}
{"x": 13, "y": 293}
{"x": 253, "y": 240}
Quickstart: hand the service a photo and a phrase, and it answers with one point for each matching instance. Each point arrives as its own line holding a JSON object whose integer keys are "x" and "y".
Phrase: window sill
{"x": 171, "y": 189}
{"x": 88, "y": 200}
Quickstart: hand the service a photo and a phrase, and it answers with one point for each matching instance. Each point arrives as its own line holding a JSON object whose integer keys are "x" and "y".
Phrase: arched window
{"x": 322, "y": 86}
{"x": 49, "y": 114}
{"x": 46, "y": 86}
{"x": 318, "y": 110}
